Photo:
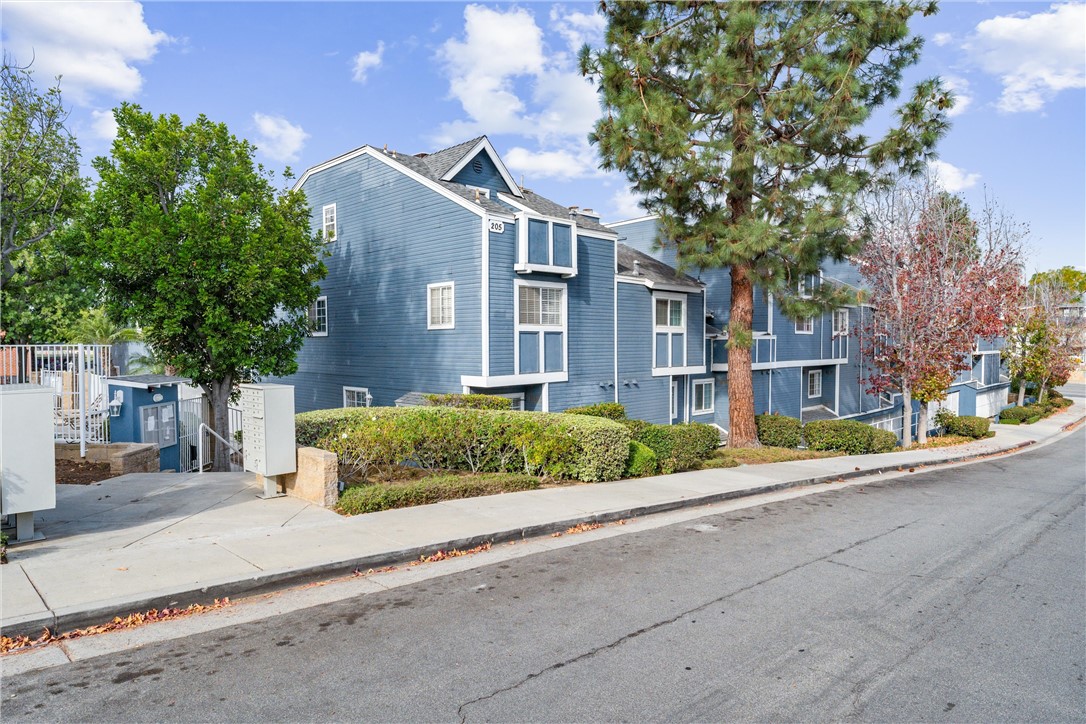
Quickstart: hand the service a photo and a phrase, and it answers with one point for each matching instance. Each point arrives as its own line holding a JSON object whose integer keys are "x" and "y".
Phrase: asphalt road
{"x": 956, "y": 595}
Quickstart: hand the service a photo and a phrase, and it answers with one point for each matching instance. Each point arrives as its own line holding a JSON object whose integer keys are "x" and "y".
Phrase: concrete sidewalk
{"x": 147, "y": 541}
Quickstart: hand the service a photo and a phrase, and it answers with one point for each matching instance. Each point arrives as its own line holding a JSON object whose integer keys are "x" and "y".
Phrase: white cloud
{"x": 104, "y": 124}
{"x": 93, "y": 45}
{"x": 941, "y": 39}
{"x": 962, "y": 97}
{"x": 366, "y": 61}
{"x": 624, "y": 205}
{"x": 578, "y": 28}
{"x": 1035, "y": 56}
{"x": 562, "y": 164}
{"x": 278, "y": 138}
{"x": 952, "y": 178}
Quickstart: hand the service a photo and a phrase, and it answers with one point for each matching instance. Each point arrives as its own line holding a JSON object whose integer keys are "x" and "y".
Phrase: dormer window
{"x": 546, "y": 245}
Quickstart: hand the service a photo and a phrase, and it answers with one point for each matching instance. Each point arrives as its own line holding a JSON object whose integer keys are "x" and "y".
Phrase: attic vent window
{"x": 477, "y": 166}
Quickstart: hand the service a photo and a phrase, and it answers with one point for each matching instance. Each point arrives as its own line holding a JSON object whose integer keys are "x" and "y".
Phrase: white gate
{"x": 193, "y": 412}
{"x": 77, "y": 375}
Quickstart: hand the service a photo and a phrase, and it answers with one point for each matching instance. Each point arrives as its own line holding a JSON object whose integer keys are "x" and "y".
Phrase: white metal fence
{"x": 77, "y": 375}
{"x": 190, "y": 414}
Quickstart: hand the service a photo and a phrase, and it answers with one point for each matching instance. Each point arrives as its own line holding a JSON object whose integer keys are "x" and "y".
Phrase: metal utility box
{"x": 143, "y": 408}
{"x": 28, "y": 482}
{"x": 267, "y": 429}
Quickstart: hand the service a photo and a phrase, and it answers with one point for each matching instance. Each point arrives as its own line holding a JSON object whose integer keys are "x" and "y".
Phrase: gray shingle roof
{"x": 652, "y": 269}
{"x": 441, "y": 161}
{"x": 547, "y": 207}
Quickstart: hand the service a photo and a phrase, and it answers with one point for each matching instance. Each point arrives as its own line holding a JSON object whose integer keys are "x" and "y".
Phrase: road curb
{"x": 67, "y": 619}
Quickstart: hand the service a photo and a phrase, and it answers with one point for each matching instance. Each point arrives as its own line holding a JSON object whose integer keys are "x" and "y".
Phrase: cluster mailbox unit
{"x": 28, "y": 483}
{"x": 267, "y": 432}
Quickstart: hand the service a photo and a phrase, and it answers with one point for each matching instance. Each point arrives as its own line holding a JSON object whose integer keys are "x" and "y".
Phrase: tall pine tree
{"x": 739, "y": 124}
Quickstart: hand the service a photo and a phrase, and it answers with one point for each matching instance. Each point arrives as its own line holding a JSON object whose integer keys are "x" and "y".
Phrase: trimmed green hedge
{"x": 968, "y": 426}
{"x": 609, "y": 410}
{"x": 849, "y": 436}
{"x": 578, "y": 447}
{"x": 470, "y": 402}
{"x": 359, "y": 499}
{"x": 1017, "y": 414}
{"x": 677, "y": 447}
{"x": 641, "y": 462}
{"x": 779, "y": 430}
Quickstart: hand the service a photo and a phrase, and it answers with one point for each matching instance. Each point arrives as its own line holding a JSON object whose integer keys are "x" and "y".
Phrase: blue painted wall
{"x": 395, "y": 236}
{"x": 487, "y": 178}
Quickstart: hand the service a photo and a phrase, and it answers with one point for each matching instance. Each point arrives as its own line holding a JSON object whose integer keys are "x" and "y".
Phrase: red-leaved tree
{"x": 939, "y": 282}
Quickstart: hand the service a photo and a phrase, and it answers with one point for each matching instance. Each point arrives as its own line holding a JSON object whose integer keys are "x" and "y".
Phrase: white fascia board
{"x": 485, "y": 145}
{"x": 632, "y": 221}
{"x": 603, "y": 235}
{"x": 513, "y": 380}
{"x": 391, "y": 163}
{"x": 656, "y": 287}
{"x": 628, "y": 280}
{"x": 759, "y": 366}
{"x": 145, "y": 385}
{"x": 676, "y": 371}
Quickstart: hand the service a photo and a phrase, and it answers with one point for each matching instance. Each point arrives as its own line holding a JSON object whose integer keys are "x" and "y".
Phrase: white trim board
{"x": 632, "y": 221}
{"x": 758, "y": 366}
{"x": 513, "y": 380}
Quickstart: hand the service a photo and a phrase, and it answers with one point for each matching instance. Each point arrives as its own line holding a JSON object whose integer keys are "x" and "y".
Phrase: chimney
{"x": 637, "y": 268}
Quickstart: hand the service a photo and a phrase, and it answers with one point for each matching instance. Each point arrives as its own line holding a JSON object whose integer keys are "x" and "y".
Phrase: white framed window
{"x": 318, "y": 317}
{"x": 703, "y": 396}
{"x": 328, "y": 226}
{"x": 669, "y": 330}
{"x": 807, "y": 283}
{"x": 545, "y": 244}
{"x": 886, "y": 399}
{"x": 805, "y": 325}
{"x": 517, "y": 399}
{"x": 356, "y": 397}
{"x": 840, "y": 322}
{"x": 540, "y": 325}
{"x": 440, "y": 305}
{"x": 814, "y": 383}
{"x": 541, "y": 306}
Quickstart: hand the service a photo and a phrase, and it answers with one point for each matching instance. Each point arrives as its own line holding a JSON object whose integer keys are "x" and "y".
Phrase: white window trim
{"x": 522, "y": 265}
{"x": 316, "y": 302}
{"x": 673, "y": 401}
{"x": 805, "y": 321}
{"x": 518, "y": 327}
{"x": 814, "y": 376}
{"x": 712, "y": 397}
{"x": 429, "y": 305}
{"x": 843, "y": 331}
{"x": 668, "y": 329}
{"x": 335, "y": 222}
{"x": 364, "y": 390}
{"x": 515, "y": 397}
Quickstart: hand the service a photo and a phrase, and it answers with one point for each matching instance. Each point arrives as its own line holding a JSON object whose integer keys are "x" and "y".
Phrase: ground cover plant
{"x": 373, "y": 497}
{"x": 732, "y": 457}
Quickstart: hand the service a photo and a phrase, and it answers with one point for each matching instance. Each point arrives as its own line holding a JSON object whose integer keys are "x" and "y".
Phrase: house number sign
{"x": 498, "y": 227}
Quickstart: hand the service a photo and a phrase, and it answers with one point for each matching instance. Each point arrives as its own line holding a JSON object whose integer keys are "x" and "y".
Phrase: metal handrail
{"x": 200, "y": 444}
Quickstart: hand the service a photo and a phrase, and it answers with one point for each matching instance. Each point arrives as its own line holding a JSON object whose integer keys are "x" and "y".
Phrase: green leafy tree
{"x": 195, "y": 244}
{"x": 40, "y": 191}
{"x": 739, "y": 124}
{"x": 1070, "y": 280}
{"x": 95, "y": 327}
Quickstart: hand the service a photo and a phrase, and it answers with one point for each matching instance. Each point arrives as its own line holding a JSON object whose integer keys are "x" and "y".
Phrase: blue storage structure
{"x": 143, "y": 408}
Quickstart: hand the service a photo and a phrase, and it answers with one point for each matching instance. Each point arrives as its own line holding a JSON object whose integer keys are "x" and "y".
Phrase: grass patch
{"x": 727, "y": 457}
{"x": 941, "y": 441}
{"x": 373, "y": 497}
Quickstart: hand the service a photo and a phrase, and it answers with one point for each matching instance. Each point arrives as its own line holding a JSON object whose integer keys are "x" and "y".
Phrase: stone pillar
{"x": 317, "y": 478}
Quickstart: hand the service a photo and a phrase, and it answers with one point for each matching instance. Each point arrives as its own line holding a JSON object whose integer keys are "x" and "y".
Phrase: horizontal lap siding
{"x": 786, "y": 392}
{"x": 590, "y": 337}
{"x": 395, "y": 236}
{"x": 503, "y": 249}
{"x": 488, "y": 178}
{"x": 695, "y": 329}
{"x": 706, "y": 417}
{"x": 648, "y": 398}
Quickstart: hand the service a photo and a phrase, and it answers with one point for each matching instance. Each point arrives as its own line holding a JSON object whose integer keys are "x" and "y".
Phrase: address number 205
{"x": 498, "y": 227}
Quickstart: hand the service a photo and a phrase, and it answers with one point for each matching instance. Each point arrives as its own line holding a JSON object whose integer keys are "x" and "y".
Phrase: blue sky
{"x": 307, "y": 82}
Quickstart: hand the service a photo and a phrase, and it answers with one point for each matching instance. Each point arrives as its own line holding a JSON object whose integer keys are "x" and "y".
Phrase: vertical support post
{"x": 24, "y": 526}
{"x": 81, "y": 382}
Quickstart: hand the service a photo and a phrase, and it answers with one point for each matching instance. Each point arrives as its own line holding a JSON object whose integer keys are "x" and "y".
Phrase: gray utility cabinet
{"x": 267, "y": 429}
{"x": 28, "y": 483}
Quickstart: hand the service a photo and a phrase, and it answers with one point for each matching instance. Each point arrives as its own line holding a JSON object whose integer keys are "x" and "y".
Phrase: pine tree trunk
{"x": 922, "y": 424}
{"x": 218, "y": 393}
{"x": 743, "y": 431}
{"x": 906, "y": 416}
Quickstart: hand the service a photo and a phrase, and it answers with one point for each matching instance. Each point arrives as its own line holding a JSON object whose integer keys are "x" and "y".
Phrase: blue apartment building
{"x": 446, "y": 276}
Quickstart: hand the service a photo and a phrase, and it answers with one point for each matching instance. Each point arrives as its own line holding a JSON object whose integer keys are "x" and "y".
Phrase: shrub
{"x": 677, "y": 447}
{"x": 849, "y": 436}
{"x": 1033, "y": 419}
{"x": 969, "y": 426}
{"x": 945, "y": 418}
{"x": 641, "y": 461}
{"x": 779, "y": 430}
{"x": 441, "y": 438}
{"x": 372, "y": 498}
{"x": 609, "y": 410}
{"x": 1016, "y": 414}
{"x": 470, "y": 402}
